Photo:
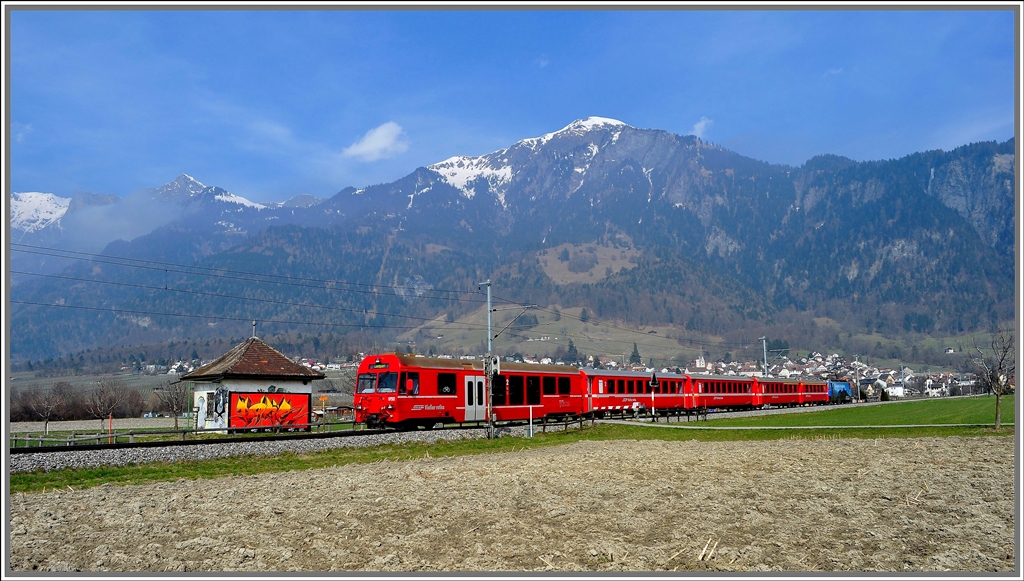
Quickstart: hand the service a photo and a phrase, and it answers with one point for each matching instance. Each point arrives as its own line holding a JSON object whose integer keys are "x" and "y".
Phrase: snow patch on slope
{"x": 234, "y": 199}
{"x": 32, "y": 211}
{"x": 461, "y": 172}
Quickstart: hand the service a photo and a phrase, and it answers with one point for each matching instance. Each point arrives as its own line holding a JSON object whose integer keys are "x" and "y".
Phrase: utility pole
{"x": 488, "y": 366}
{"x": 764, "y": 345}
{"x": 856, "y": 374}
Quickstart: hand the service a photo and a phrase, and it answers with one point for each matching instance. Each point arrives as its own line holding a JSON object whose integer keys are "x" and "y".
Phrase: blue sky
{"x": 271, "y": 104}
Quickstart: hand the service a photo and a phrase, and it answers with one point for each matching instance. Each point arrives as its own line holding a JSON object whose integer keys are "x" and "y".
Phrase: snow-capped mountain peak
{"x": 184, "y": 187}
{"x": 462, "y": 172}
{"x": 33, "y": 211}
{"x": 579, "y": 127}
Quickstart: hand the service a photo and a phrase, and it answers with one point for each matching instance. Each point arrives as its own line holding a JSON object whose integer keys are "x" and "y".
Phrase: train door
{"x": 476, "y": 407}
{"x": 590, "y": 394}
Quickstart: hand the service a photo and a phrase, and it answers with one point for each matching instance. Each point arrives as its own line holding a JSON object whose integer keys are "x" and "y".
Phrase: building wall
{"x": 213, "y": 400}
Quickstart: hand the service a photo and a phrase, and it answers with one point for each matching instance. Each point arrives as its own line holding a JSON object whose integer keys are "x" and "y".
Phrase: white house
{"x": 252, "y": 386}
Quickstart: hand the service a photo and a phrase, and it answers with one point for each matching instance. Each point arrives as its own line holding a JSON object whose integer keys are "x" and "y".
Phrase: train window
{"x": 388, "y": 382}
{"x": 622, "y": 386}
{"x": 564, "y": 386}
{"x": 408, "y": 385}
{"x": 515, "y": 390}
{"x": 366, "y": 383}
{"x": 549, "y": 385}
{"x": 532, "y": 390}
{"x": 445, "y": 384}
{"x": 498, "y": 391}
{"x": 629, "y": 386}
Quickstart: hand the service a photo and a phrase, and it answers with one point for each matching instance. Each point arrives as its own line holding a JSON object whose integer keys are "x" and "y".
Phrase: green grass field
{"x": 882, "y": 419}
{"x": 968, "y": 410}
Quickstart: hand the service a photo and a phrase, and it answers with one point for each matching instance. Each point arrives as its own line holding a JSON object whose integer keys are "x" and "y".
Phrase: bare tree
{"x": 109, "y": 396}
{"x": 174, "y": 398}
{"x": 49, "y": 403}
{"x": 995, "y": 367}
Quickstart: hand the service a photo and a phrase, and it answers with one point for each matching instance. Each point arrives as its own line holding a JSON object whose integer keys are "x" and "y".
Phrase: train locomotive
{"x": 408, "y": 392}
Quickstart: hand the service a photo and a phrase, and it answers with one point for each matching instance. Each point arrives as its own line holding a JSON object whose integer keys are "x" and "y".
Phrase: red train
{"x": 405, "y": 391}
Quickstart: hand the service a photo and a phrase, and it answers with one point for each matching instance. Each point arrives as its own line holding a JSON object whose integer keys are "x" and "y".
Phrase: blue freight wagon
{"x": 839, "y": 392}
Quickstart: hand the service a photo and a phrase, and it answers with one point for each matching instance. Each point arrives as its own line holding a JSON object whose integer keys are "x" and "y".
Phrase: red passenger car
{"x": 789, "y": 392}
{"x": 405, "y": 391}
{"x": 615, "y": 392}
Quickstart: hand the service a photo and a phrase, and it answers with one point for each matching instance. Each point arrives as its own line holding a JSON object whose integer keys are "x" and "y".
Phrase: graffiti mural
{"x": 265, "y": 410}
{"x": 220, "y": 404}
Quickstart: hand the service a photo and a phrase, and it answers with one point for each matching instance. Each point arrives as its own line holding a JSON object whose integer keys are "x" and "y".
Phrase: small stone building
{"x": 252, "y": 386}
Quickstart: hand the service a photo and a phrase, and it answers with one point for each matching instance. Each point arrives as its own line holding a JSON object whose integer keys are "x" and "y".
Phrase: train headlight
{"x": 390, "y": 407}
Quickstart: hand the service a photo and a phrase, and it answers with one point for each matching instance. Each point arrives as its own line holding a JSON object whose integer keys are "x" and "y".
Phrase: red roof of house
{"x": 252, "y": 359}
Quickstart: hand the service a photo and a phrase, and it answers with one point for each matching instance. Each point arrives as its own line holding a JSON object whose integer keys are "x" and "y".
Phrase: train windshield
{"x": 388, "y": 383}
{"x": 367, "y": 383}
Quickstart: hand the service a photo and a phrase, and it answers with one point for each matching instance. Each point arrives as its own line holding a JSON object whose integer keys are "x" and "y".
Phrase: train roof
{"x": 621, "y": 372}
{"x": 475, "y": 364}
{"x": 798, "y": 379}
{"x": 721, "y": 377}
{"x": 661, "y": 375}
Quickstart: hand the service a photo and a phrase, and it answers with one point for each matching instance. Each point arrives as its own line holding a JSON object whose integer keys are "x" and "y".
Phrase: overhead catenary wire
{"x": 213, "y": 317}
{"x": 218, "y": 295}
{"x": 597, "y": 323}
{"x": 214, "y": 272}
{"x": 303, "y": 282}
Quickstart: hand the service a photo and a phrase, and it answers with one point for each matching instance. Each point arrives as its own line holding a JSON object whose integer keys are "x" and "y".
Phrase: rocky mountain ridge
{"x": 919, "y": 244}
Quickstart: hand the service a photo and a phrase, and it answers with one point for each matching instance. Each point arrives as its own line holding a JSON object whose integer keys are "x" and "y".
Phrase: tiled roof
{"x": 252, "y": 359}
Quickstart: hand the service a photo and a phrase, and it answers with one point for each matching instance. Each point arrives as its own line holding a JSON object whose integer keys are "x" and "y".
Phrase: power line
{"x": 225, "y": 273}
{"x": 596, "y": 323}
{"x": 214, "y": 317}
{"x": 217, "y": 295}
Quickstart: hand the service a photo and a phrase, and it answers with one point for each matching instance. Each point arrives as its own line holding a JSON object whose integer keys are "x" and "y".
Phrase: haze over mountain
{"x": 640, "y": 226}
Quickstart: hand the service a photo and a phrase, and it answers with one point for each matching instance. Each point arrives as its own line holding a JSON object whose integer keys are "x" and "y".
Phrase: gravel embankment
{"x": 29, "y": 462}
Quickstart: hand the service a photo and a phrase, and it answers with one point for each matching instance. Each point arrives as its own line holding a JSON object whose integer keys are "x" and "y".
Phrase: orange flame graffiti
{"x": 278, "y": 409}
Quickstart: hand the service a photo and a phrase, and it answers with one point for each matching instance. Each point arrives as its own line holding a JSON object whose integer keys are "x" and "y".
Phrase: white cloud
{"x": 701, "y": 126}
{"x": 381, "y": 142}
{"x": 21, "y": 131}
{"x": 833, "y": 72}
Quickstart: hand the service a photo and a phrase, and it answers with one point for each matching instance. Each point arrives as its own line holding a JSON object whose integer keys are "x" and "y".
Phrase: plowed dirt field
{"x": 928, "y": 504}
